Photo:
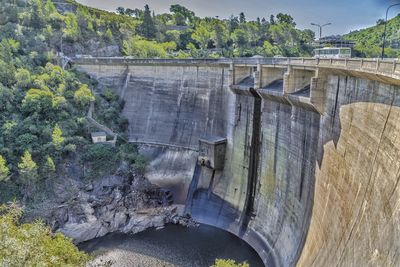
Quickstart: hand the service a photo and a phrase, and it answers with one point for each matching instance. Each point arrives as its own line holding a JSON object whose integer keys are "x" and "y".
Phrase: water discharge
{"x": 171, "y": 246}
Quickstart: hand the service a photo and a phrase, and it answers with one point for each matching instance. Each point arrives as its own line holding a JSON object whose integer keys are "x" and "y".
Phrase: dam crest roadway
{"x": 299, "y": 157}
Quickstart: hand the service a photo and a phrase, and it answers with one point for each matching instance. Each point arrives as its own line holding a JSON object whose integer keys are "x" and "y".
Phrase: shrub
{"x": 228, "y": 263}
{"x": 102, "y": 159}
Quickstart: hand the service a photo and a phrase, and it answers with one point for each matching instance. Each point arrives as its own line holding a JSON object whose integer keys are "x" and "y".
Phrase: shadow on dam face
{"x": 327, "y": 188}
{"x": 355, "y": 160}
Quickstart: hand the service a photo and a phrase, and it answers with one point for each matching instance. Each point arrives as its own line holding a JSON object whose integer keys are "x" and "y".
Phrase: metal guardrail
{"x": 377, "y": 66}
{"x": 389, "y": 68}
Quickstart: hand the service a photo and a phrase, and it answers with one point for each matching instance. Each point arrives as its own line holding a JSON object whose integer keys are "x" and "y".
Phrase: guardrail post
{"x": 377, "y": 65}
{"x": 394, "y": 66}
{"x": 362, "y": 64}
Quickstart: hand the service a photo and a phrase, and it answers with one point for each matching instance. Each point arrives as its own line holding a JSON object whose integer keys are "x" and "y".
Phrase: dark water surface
{"x": 171, "y": 246}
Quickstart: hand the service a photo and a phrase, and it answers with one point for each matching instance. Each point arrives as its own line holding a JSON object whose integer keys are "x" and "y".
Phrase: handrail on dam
{"x": 383, "y": 67}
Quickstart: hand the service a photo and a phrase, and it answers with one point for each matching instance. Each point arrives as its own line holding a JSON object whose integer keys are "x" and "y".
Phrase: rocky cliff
{"x": 86, "y": 209}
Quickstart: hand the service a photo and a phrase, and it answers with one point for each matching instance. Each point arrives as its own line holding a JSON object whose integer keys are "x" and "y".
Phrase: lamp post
{"x": 384, "y": 32}
{"x": 320, "y": 27}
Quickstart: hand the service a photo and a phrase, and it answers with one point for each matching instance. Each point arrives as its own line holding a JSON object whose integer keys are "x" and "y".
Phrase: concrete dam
{"x": 299, "y": 157}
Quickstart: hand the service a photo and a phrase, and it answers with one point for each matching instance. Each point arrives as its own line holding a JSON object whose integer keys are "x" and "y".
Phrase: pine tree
{"x": 148, "y": 29}
{"x": 4, "y": 170}
{"x": 27, "y": 168}
{"x": 242, "y": 18}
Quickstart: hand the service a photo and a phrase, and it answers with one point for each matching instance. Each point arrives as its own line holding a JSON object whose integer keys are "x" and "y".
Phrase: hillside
{"x": 369, "y": 40}
{"x": 180, "y": 33}
{"x": 43, "y": 107}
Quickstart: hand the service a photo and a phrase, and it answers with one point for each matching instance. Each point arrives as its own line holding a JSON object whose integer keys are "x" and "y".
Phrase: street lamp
{"x": 384, "y": 32}
{"x": 320, "y": 27}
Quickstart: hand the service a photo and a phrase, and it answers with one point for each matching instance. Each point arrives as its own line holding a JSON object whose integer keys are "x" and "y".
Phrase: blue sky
{"x": 345, "y": 15}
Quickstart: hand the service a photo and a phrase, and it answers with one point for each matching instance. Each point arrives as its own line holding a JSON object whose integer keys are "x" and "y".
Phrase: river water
{"x": 171, "y": 246}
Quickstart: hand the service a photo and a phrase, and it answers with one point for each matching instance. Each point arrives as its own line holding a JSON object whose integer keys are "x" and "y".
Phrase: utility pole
{"x": 320, "y": 27}
{"x": 384, "y": 32}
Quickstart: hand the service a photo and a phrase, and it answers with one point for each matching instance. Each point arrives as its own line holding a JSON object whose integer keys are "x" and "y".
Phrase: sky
{"x": 345, "y": 15}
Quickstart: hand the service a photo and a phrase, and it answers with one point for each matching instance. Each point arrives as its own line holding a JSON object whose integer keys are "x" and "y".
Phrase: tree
{"x": 7, "y": 75}
{"x": 6, "y": 101}
{"x": 242, "y": 18}
{"x": 272, "y": 20}
{"x": 307, "y": 36}
{"x": 271, "y": 50}
{"x": 180, "y": 19}
{"x": 37, "y": 100}
{"x": 141, "y": 48}
{"x": 50, "y": 10}
{"x": 83, "y": 96}
{"x": 23, "y": 78}
{"x": 220, "y": 34}
{"x": 148, "y": 28}
{"x": 233, "y": 23}
{"x": 49, "y": 167}
{"x": 129, "y": 12}
{"x": 380, "y": 22}
{"x": 71, "y": 30}
{"x": 108, "y": 35}
{"x": 240, "y": 37}
{"x": 228, "y": 263}
{"x": 27, "y": 169}
{"x": 202, "y": 35}
{"x": 181, "y": 14}
{"x": 121, "y": 10}
{"x": 285, "y": 18}
{"x": 57, "y": 138}
{"x": 168, "y": 46}
{"x": 4, "y": 170}
{"x": 8, "y": 48}
{"x": 33, "y": 244}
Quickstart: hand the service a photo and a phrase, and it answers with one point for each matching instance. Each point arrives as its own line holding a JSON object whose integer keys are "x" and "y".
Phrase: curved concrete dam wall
{"x": 311, "y": 167}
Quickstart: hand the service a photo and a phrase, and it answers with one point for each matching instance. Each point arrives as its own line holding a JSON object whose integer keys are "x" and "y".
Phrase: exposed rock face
{"x": 86, "y": 210}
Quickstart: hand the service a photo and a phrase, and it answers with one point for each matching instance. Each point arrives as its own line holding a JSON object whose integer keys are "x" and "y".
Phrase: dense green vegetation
{"x": 180, "y": 33}
{"x": 43, "y": 107}
{"x": 33, "y": 244}
{"x": 191, "y": 36}
{"x": 369, "y": 40}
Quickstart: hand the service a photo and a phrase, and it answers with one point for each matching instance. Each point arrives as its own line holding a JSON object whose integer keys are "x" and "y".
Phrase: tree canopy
{"x": 369, "y": 40}
{"x": 33, "y": 244}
